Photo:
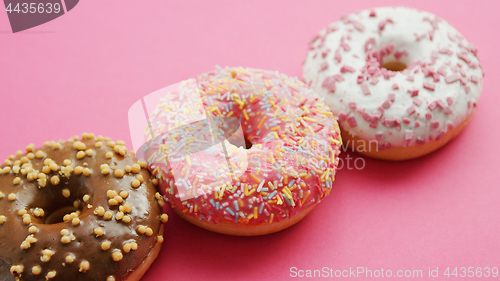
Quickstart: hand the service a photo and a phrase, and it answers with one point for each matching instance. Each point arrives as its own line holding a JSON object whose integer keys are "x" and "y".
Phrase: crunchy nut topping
{"x": 80, "y": 154}
{"x": 16, "y": 180}
{"x": 84, "y": 266}
{"x": 89, "y": 152}
{"x": 69, "y": 258}
{"x": 79, "y": 145}
{"x": 3, "y": 219}
{"x": 128, "y": 169}
{"x": 86, "y": 172}
{"x": 110, "y": 278}
{"x": 126, "y": 219}
{"x": 109, "y": 154}
{"x": 140, "y": 178}
{"x": 75, "y": 221}
{"x": 78, "y": 170}
{"x": 32, "y": 229}
{"x": 39, "y": 154}
{"x": 117, "y": 255}
{"x": 22, "y": 212}
{"x": 164, "y": 218}
{"x": 66, "y": 192}
{"x": 111, "y": 144}
{"x": 53, "y": 166}
{"x": 105, "y": 245}
{"x": 26, "y": 219}
{"x": 108, "y": 215}
{"x": 12, "y": 196}
{"x": 65, "y": 239}
{"x": 86, "y": 198}
{"x": 159, "y": 239}
{"x": 99, "y": 211}
{"x": 141, "y": 229}
{"x": 135, "y": 183}
{"x": 98, "y": 144}
{"x": 54, "y": 180}
{"x": 67, "y": 162}
{"x": 119, "y": 173}
{"x": 149, "y": 231}
{"x": 155, "y": 182}
{"x": 123, "y": 194}
{"x": 136, "y": 168}
{"x": 51, "y": 274}
{"x": 98, "y": 232}
{"x": 1, "y": 195}
{"x": 36, "y": 270}
{"x": 16, "y": 269}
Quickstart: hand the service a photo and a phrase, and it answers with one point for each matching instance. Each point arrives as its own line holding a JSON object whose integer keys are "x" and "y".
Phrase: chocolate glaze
{"x": 86, "y": 246}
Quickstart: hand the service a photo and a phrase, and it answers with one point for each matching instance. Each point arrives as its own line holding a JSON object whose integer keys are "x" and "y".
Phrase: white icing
{"x": 407, "y": 25}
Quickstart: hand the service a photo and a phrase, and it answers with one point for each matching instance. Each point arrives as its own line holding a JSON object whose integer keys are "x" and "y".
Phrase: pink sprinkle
{"x": 365, "y": 88}
{"x": 379, "y": 137}
{"x": 338, "y": 77}
{"x": 387, "y": 103}
{"x": 409, "y": 135}
{"x": 411, "y": 110}
{"x": 429, "y": 86}
{"x": 449, "y": 100}
{"x": 381, "y": 109}
{"x": 442, "y": 71}
{"x": 360, "y": 79}
{"x": 392, "y": 97}
{"x": 452, "y": 78}
{"x": 448, "y": 110}
{"x": 441, "y": 103}
{"x": 366, "y": 116}
{"x": 432, "y": 105}
{"x": 338, "y": 57}
{"x": 352, "y": 105}
{"x": 325, "y": 53}
{"x": 329, "y": 84}
{"x": 359, "y": 26}
{"x": 413, "y": 93}
{"x": 420, "y": 141}
{"x": 410, "y": 78}
{"x": 395, "y": 86}
{"x": 467, "y": 89}
{"x": 342, "y": 116}
{"x": 360, "y": 110}
{"x": 428, "y": 116}
{"x": 417, "y": 124}
{"x": 346, "y": 68}
{"x": 374, "y": 81}
{"x": 474, "y": 79}
{"x": 352, "y": 121}
{"x": 406, "y": 120}
{"x": 463, "y": 56}
{"x": 417, "y": 101}
{"x": 372, "y": 14}
{"x": 434, "y": 124}
{"x": 324, "y": 66}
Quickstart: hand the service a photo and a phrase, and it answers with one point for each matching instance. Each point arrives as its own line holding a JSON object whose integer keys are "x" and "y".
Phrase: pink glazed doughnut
{"x": 402, "y": 82}
{"x": 286, "y": 167}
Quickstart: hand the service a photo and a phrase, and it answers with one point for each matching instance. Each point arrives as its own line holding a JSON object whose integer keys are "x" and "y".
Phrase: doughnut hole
{"x": 55, "y": 205}
{"x": 394, "y": 65}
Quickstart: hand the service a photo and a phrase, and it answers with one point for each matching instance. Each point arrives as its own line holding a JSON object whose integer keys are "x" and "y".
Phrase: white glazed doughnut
{"x": 401, "y": 82}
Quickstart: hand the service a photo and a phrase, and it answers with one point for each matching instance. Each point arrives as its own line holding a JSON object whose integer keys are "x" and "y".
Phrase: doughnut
{"x": 282, "y": 169}
{"x": 83, "y": 209}
{"x": 401, "y": 82}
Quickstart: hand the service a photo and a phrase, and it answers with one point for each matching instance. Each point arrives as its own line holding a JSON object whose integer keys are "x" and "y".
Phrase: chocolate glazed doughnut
{"x": 85, "y": 209}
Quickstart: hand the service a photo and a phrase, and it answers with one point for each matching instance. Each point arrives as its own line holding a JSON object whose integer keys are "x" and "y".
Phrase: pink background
{"x": 82, "y": 72}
